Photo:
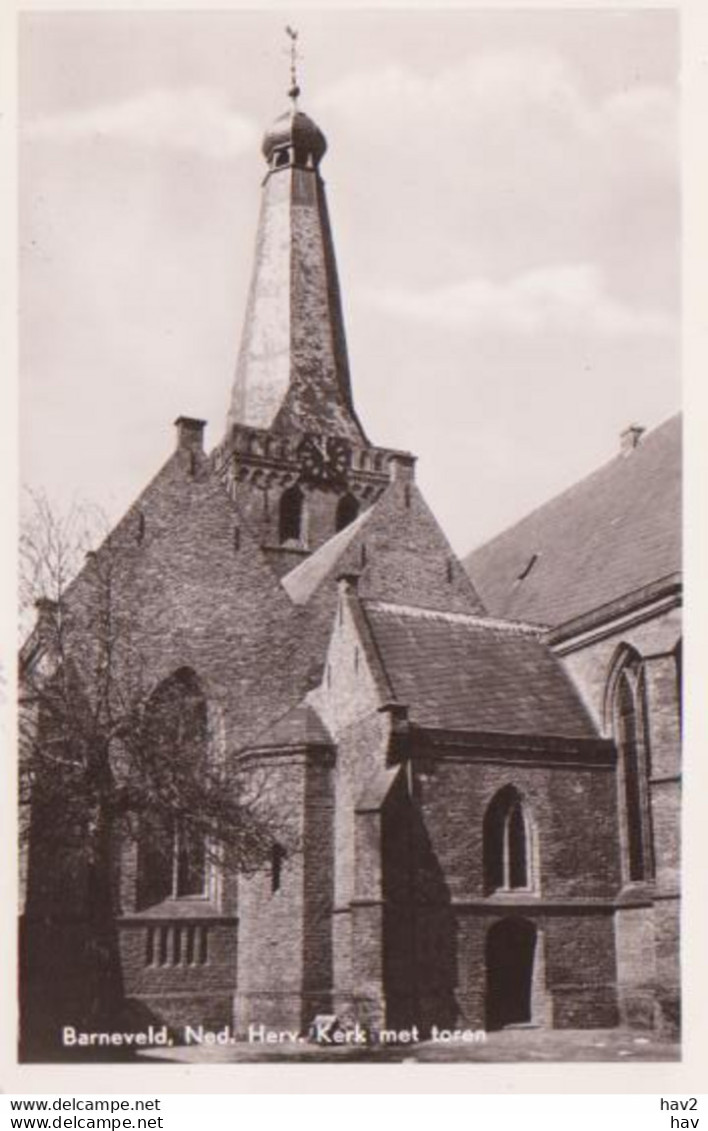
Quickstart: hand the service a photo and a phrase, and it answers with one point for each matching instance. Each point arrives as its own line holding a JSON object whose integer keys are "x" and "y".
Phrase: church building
{"x": 478, "y": 762}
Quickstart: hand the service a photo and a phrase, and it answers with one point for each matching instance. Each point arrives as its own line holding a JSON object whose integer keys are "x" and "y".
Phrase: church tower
{"x": 295, "y": 456}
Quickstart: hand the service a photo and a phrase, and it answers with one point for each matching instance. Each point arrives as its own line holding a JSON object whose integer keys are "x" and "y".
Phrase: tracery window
{"x": 172, "y": 853}
{"x": 508, "y": 844}
{"x": 629, "y": 715}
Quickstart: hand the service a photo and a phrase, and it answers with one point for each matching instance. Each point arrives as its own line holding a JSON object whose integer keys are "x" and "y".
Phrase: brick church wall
{"x": 285, "y": 940}
{"x": 647, "y": 922}
{"x": 192, "y": 590}
{"x": 573, "y": 809}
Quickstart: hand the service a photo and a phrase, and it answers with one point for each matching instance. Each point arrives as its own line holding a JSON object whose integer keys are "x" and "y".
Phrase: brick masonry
{"x": 378, "y": 906}
{"x": 647, "y": 920}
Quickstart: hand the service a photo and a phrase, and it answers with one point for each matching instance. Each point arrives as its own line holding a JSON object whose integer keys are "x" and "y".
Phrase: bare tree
{"x": 105, "y": 758}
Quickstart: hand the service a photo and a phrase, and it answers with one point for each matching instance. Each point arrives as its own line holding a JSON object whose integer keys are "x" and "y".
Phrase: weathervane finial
{"x": 294, "y": 88}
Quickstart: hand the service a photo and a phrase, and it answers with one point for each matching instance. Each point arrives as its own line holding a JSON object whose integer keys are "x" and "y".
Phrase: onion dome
{"x": 294, "y": 139}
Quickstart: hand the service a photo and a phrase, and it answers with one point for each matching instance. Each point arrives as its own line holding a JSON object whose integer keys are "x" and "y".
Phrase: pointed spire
{"x": 292, "y": 373}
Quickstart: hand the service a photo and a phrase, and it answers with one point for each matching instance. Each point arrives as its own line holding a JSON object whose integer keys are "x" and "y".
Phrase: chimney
{"x": 631, "y": 438}
{"x": 401, "y": 467}
{"x": 190, "y": 434}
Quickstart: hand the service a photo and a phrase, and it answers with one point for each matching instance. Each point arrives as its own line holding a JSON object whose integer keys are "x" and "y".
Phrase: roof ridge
{"x": 572, "y": 488}
{"x": 457, "y": 618}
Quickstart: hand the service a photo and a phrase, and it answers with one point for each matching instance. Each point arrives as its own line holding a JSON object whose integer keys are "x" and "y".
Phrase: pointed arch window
{"x": 629, "y": 715}
{"x": 508, "y": 844}
{"x": 172, "y": 853}
{"x": 291, "y": 515}
{"x": 347, "y": 511}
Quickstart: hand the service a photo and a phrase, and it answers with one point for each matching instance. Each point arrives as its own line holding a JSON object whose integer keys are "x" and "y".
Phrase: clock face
{"x": 324, "y": 460}
{"x": 338, "y": 459}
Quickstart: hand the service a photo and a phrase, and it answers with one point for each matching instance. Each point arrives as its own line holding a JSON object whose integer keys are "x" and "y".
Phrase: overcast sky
{"x": 504, "y": 196}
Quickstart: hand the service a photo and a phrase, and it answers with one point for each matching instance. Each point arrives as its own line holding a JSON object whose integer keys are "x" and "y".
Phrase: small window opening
{"x": 140, "y": 533}
{"x": 407, "y": 496}
{"x": 277, "y": 857}
{"x": 237, "y": 538}
{"x": 449, "y": 571}
{"x": 203, "y": 946}
{"x": 528, "y": 567}
{"x": 282, "y": 158}
{"x": 347, "y": 510}
{"x": 189, "y": 950}
{"x": 192, "y": 464}
{"x": 291, "y": 515}
{"x": 162, "y": 947}
{"x": 363, "y": 554}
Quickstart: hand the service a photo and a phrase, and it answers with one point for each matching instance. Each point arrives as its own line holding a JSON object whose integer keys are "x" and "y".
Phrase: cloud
{"x": 534, "y": 89}
{"x": 567, "y": 298}
{"x": 474, "y": 86}
{"x": 197, "y": 119}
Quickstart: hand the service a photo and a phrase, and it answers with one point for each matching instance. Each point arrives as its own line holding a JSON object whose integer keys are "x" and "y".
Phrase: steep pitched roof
{"x": 608, "y": 535}
{"x": 292, "y": 373}
{"x": 462, "y": 672}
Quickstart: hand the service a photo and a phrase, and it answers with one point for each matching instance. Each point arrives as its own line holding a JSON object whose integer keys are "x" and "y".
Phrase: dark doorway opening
{"x": 347, "y": 511}
{"x": 510, "y": 953}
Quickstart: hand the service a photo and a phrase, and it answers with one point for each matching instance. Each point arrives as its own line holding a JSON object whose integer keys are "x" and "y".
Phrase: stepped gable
{"x": 459, "y": 672}
{"x": 609, "y": 535}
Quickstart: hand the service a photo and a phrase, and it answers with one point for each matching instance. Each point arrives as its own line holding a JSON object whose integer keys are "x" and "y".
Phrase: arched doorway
{"x": 510, "y": 953}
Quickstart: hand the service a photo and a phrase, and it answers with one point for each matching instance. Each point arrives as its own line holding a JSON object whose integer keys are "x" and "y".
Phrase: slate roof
{"x": 612, "y": 533}
{"x": 300, "y": 726}
{"x": 463, "y": 672}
